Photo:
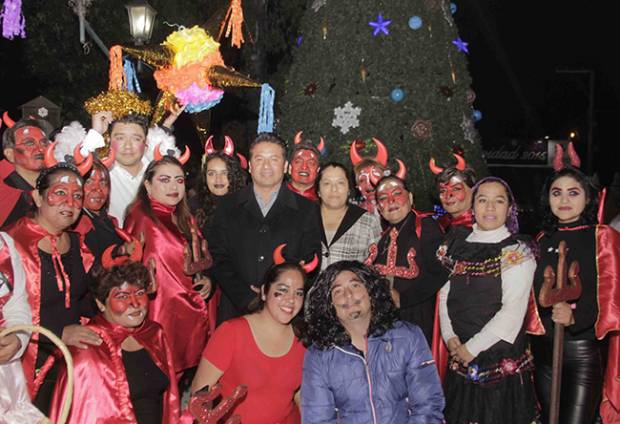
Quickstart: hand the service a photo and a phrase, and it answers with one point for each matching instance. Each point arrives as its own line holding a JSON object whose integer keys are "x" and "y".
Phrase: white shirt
{"x": 124, "y": 188}
{"x": 516, "y": 285}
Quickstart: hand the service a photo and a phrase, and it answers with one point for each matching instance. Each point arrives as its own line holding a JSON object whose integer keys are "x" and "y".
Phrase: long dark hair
{"x": 237, "y": 179}
{"x": 323, "y": 328}
{"x": 589, "y": 216}
{"x": 271, "y": 276}
{"x": 142, "y": 199}
{"x": 97, "y": 164}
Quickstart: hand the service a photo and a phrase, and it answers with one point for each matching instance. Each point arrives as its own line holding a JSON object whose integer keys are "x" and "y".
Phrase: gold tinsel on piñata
{"x": 119, "y": 102}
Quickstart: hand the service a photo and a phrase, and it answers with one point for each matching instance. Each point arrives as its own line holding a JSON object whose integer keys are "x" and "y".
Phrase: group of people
{"x": 326, "y": 308}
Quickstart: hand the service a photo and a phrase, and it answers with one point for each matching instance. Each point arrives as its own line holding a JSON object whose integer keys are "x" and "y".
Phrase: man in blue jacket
{"x": 364, "y": 366}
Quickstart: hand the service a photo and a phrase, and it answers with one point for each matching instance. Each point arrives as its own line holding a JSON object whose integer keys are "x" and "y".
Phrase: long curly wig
{"x": 588, "y": 216}
{"x": 237, "y": 179}
{"x": 323, "y": 328}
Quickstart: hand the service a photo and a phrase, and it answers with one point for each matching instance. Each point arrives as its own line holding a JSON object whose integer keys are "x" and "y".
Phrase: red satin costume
{"x": 27, "y": 233}
{"x": 177, "y": 307}
{"x": 101, "y": 394}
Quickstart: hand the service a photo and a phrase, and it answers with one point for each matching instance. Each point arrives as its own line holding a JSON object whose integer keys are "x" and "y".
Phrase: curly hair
{"x": 323, "y": 328}
{"x": 589, "y": 216}
{"x": 102, "y": 281}
{"x": 237, "y": 179}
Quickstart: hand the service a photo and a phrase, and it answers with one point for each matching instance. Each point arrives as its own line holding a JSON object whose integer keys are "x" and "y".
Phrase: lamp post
{"x": 141, "y": 20}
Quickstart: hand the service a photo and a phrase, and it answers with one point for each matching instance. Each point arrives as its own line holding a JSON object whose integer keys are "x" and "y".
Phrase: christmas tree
{"x": 395, "y": 70}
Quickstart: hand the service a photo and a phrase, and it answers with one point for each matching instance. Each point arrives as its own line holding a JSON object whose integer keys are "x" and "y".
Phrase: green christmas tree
{"x": 395, "y": 70}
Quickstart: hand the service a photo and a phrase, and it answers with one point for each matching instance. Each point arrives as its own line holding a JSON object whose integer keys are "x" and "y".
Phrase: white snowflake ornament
{"x": 346, "y": 117}
{"x": 42, "y": 112}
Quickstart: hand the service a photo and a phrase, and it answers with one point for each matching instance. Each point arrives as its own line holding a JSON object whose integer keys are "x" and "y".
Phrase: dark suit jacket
{"x": 242, "y": 241}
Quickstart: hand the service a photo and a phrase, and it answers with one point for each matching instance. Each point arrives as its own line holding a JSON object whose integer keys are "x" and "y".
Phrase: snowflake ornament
{"x": 42, "y": 112}
{"x": 346, "y": 117}
{"x": 469, "y": 131}
{"x": 317, "y": 4}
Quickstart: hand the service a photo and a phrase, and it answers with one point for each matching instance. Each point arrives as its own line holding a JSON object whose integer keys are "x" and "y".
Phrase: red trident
{"x": 202, "y": 410}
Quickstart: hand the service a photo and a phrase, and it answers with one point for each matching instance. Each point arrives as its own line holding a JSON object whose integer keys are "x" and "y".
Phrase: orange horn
{"x": 434, "y": 168}
{"x": 123, "y": 234}
{"x": 109, "y": 160}
{"x": 354, "y": 155}
{"x": 382, "y": 153}
{"x": 77, "y": 154}
{"x": 229, "y": 146}
{"x": 243, "y": 161}
{"x": 573, "y": 156}
{"x": 402, "y": 170}
{"x": 460, "y": 162}
{"x": 277, "y": 255}
{"x": 107, "y": 261}
{"x": 49, "y": 158}
{"x": 321, "y": 145}
{"x": 157, "y": 153}
{"x": 558, "y": 160}
{"x": 185, "y": 156}
{"x": 7, "y": 120}
{"x": 85, "y": 166}
{"x": 311, "y": 266}
{"x": 209, "y": 149}
{"x": 297, "y": 139}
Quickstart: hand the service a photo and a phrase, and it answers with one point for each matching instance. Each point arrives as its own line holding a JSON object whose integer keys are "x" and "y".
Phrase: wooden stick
{"x": 556, "y": 373}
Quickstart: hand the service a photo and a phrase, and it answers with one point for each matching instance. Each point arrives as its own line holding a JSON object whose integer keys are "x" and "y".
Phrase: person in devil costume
{"x": 592, "y": 338}
{"x": 23, "y": 144}
{"x": 161, "y": 217}
{"x": 223, "y": 172}
{"x": 368, "y": 171}
{"x": 405, "y": 254}
{"x": 262, "y": 350}
{"x": 304, "y": 166}
{"x": 454, "y": 185}
{"x": 130, "y": 376}
{"x": 56, "y": 262}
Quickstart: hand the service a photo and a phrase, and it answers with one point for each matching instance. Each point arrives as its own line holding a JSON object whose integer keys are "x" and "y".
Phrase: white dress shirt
{"x": 124, "y": 188}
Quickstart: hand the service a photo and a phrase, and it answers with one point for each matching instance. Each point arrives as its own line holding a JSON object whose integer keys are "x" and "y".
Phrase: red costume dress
{"x": 177, "y": 307}
{"x": 102, "y": 393}
{"x": 27, "y": 233}
{"x": 271, "y": 381}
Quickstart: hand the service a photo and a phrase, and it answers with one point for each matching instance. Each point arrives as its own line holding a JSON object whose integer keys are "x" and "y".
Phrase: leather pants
{"x": 582, "y": 378}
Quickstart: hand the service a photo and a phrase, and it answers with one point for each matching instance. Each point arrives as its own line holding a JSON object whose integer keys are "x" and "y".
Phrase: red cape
{"x": 27, "y": 233}
{"x": 101, "y": 392}
{"x": 177, "y": 307}
{"x": 8, "y": 194}
{"x": 309, "y": 194}
{"x": 608, "y": 322}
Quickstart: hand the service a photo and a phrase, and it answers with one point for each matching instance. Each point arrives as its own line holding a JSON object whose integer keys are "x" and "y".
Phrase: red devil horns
{"x": 228, "y": 150}
{"x": 558, "y": 161}
{"x": 243, "y": 161}
{"x": 402, "y": 170}
{"x": 7, "y": 120}
{"x": 278, "y": 259}
{"x": 109, "y": 160}
{"x": 183, "y": 158}
{"x": 321, "y": 145}
{"x": 83, "y": 165}
{"x": 108, "y": 260}
{"x": 297, "y": 138}
{"x": 209, "y": 149}
{"x": 460, "y": 164}
{"x": 49, "y": 160}
{"x": 381, "y": 156}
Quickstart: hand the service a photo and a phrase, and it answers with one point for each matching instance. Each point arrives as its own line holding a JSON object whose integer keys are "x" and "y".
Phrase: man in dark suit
{"x": 249, "y": 224}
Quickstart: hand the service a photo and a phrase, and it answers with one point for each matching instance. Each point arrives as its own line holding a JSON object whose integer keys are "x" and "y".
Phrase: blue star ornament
{"x": 380, "y": 25}
{"x": 461, "y": 45}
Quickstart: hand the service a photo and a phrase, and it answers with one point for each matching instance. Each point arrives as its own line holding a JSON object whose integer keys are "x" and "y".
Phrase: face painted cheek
{"x": 139, "y": 300}
{"x": 119, "y": 306}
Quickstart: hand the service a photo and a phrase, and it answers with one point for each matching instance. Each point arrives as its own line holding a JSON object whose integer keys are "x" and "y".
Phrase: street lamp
{"x": 141, "y": 19}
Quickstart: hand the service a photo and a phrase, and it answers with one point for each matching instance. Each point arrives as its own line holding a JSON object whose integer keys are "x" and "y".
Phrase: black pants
{"x": 582, "y": 378}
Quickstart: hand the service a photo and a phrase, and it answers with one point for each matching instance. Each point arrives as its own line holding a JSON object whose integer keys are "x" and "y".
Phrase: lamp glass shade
{"x": 141, "y": 19}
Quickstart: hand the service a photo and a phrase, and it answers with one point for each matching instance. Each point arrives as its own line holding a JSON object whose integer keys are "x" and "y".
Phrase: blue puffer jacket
{"x": 396, "y": 383}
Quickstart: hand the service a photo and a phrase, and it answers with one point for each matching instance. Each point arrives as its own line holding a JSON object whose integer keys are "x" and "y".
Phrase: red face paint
{"x": 30, "y": 145}
{"x": 304, "y": 167}
{"x": 125, "y": 296}
{"x": 392, "y": 195}
{"x": 367, "y": 178}
{"x": 96, "y": 190}
{"x": 67, "y": 190}
{"x": 449, "y": 191}
{"x": 455, "y": 196}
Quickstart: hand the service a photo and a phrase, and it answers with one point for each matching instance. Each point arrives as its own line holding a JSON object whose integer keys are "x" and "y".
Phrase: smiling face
{"x": 366, "y": 179}
{"x": 167, "y": 185}
{"x": 393, "y": 200}
{"x": 267, "y": 165}
{"x": 96, "y": 190}
{"x": 59, "y": 206}
{"x": 350, "y": 298}
{"x": 217, "y": 177}
{"x": 285, "y": 296}
{"x": 567, "y": 199}
{"x": 455, "y": 196}
{"x": 128, "y": 142}
{"x": 334, "y": 188}
{"x": 491, "y": 206}
{"x": 29, "y": 149}
{"x": 126, "y": 305}
{"x": 304, "y": 167}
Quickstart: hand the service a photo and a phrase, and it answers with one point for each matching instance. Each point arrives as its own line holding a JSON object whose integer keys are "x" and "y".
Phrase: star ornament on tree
{"x": 461, "y": 45}
{"x": 380, "y": 25}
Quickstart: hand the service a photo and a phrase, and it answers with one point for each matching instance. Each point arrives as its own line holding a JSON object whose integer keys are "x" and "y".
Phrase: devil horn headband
{"x": 279, "y": 259}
